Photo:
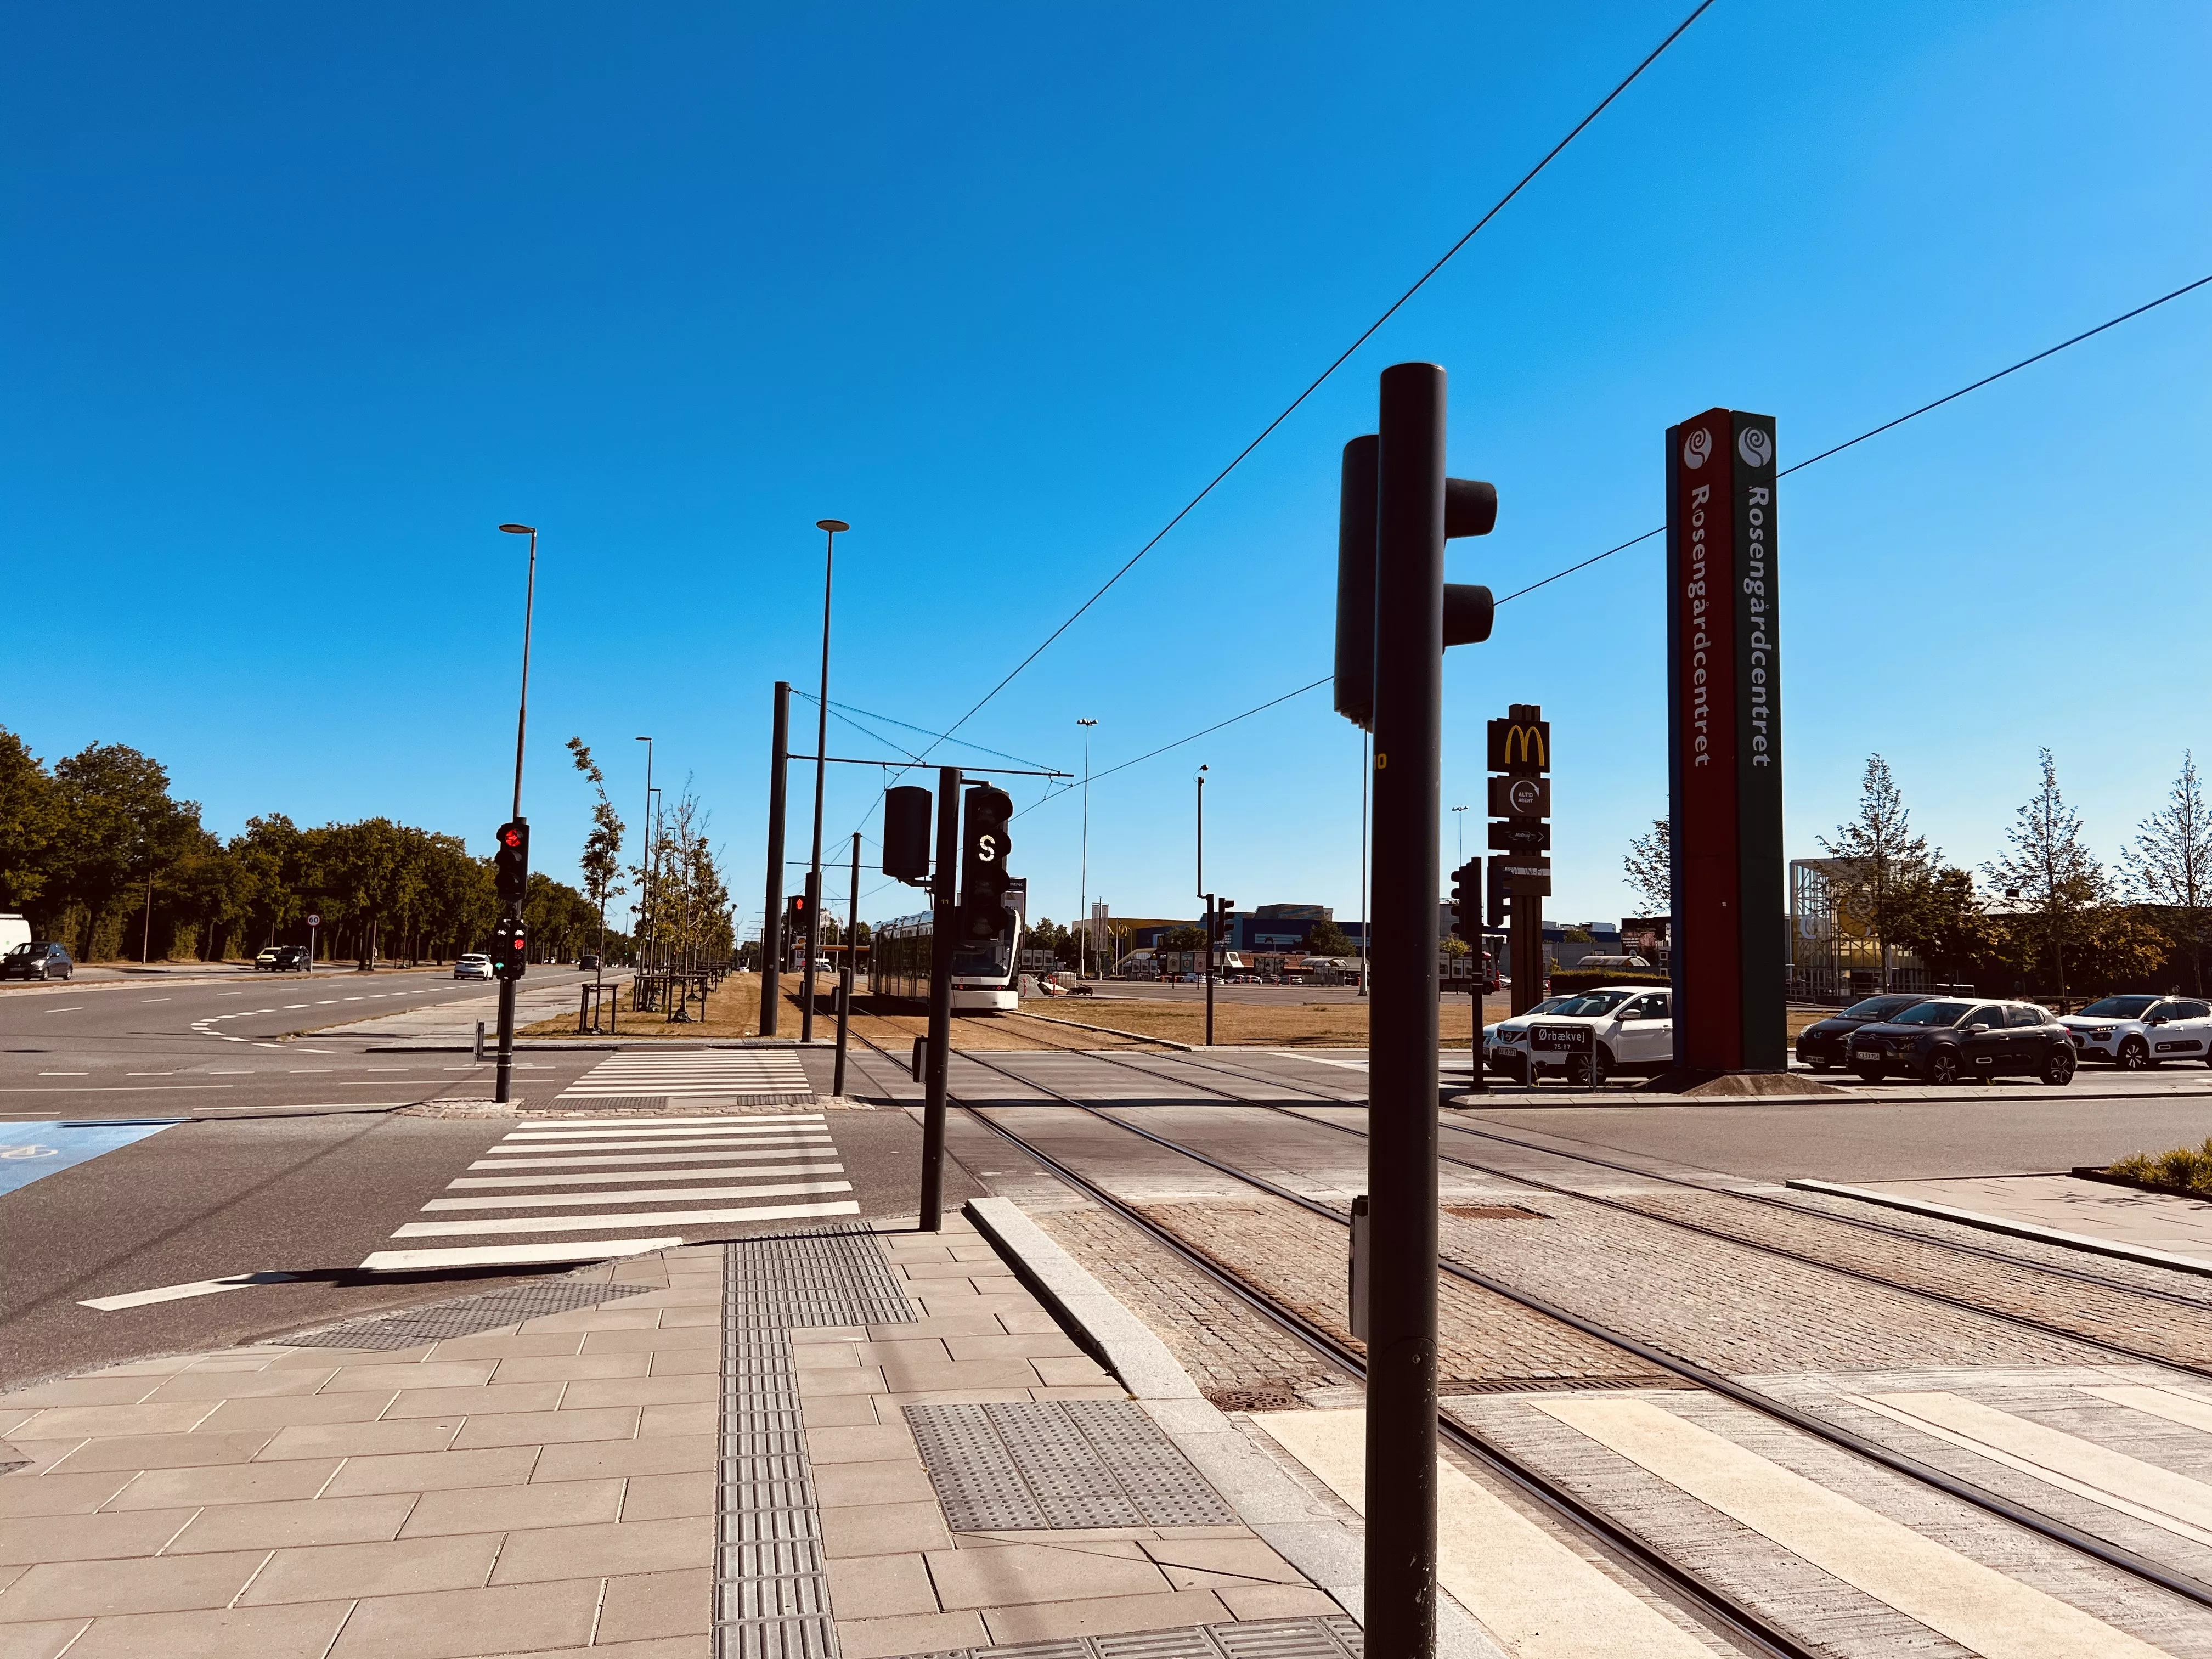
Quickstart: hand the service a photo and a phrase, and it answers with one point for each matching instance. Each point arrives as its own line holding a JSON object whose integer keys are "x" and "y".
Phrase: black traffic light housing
{"x": 510, "y": 953}
{"x": 510, "y": 863}
{"x": 984, "y": 844}
{"x": 906, "y": 833}
{"x": 1470, "y": 509}
{"x": 1467, "y": 902}
{"x": 1225, "y": 919}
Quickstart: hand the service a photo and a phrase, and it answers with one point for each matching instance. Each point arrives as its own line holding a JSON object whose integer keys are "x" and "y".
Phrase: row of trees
{"x": 96, "y": 852}
{"x": 2047, "y": 910}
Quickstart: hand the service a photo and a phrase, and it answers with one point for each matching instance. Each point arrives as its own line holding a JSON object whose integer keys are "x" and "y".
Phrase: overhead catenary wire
{"x": 1315, "y": 384}
{"x": 1622, "y": 547}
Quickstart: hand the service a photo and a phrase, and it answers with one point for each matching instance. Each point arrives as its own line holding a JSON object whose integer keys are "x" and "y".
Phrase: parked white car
{"x": 2137, "y": 1032}
{"x": 472, "y": 967}
{"x": 1631, "y": 1026}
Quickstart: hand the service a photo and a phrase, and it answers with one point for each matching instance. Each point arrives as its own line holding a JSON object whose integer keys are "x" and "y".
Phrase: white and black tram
{"x": 985, "y": 977}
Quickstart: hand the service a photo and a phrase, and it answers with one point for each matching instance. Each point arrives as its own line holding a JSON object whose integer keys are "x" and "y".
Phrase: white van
{"x": 14, "y": 931}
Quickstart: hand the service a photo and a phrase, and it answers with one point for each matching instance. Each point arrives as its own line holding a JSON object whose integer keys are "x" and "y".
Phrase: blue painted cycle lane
{"x": 28, "y": 1150}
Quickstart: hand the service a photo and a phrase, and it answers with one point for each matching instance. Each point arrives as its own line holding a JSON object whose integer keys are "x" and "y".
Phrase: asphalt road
{"x": 130, "y": 1048}
{"x": 311, "y": 1195}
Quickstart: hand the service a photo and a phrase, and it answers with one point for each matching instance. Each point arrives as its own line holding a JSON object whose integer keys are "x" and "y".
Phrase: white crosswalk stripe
{"x": 737, "y": 1075}
{"x": 756, "y": 1168}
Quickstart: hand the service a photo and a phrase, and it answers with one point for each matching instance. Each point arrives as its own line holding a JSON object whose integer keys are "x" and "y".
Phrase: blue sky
{"x": 296, "y": 305}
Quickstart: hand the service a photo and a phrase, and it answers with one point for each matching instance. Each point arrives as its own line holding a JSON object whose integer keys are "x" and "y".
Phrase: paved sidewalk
{"x": 551, "y": 1485}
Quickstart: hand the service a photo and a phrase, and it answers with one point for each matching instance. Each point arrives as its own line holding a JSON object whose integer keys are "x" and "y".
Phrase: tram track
{"x": 2111, "y": 1554}
{"x": 1723, "y": 1614}
{"x": 1802, "y": 1212}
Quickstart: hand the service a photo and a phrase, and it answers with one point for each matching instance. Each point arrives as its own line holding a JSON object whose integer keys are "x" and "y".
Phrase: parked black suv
{"x": 1945, "y": 1039}
{"x": 40, "y": 959}
{"x": 1828, "y": 1043}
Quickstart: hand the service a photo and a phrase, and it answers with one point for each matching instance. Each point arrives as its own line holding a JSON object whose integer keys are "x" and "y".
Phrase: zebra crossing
{"x": 701, "y": 1077}
{"x": 584, "y": 1188}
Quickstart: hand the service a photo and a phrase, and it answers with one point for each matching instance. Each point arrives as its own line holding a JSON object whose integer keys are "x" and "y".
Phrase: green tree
{"x": 1328, "y": 939}
{"x": 27, "y": 825}
{"x": 1650, "y": 867}
{"x": 120, "y": 829}
{"x": 1939, "y": 917}
{"x": 2171, "y": 866}
{"x": 601, "y": 861}
{"x": 2050, "y": 874}
{"x": 1877, "y": 863}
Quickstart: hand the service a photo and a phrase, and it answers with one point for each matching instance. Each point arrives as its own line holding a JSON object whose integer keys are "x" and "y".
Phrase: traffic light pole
{"x": 1401, "y": 1158}
{"x": 846, "y": 979}
{"x": 504, "y": 1076}
{"x": 946, "y": 914}
{"x": 1210, "y": 916}
{"x": 771, "y": 914}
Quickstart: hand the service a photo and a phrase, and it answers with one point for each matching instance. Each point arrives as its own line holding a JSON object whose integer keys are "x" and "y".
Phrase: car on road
{"x": 1945, "y": 1039}
{"x": 40, "y": 959}
{"x": 587, "y": 961}
{"x": 1631, "y": 1030}
{"x": 472, "y": 966}
{"x": 1827, "y": 1042}
{"x": 2137, "y": 1032}
{"x": 282, "y": 958}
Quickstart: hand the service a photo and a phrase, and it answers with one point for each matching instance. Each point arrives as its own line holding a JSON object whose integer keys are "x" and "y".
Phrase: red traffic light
{"x": 511, "y": 835}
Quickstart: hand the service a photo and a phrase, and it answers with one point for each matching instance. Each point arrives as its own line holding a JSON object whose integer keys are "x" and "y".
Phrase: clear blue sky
{"x": 296, "y": 304}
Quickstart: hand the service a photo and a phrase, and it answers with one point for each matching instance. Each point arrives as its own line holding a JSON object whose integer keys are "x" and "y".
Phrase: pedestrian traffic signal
{"x": 509, "y": 950}
{"x": 510, "y": 863}
{"x": 984, "y": 844}
{"x": 1466, "y": 902}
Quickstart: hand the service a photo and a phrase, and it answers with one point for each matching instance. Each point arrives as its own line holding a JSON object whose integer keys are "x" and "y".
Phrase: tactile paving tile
{"x": 1335, "y": 1636}
{"x": 1028, "y": 1467}
{"x": 817, "y": 1276}
{"x": 771, "y": 1593}
{"x": 442, "y": 1320}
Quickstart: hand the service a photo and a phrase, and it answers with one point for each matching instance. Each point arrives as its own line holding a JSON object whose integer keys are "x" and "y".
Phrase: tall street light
{"x": 830, "y": 527}
{"x": 1083, "y": 909}
{"x": 1459, "y": 827}
{"x": 506, "y": 1068}
{"x": 645, "y": 853}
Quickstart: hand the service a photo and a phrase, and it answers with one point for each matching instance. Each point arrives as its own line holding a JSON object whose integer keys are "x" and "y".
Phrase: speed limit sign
{"x": 314, "y": 921}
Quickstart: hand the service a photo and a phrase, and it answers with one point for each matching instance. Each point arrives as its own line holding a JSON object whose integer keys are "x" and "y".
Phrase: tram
{"x": 984, "y": 977}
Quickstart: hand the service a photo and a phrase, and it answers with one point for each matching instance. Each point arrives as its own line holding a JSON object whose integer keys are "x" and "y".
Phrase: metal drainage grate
{"x": 1023, "y": 1466}
{"x": 1334, "y": 1637}
{"x": 471, "y": 1314}
{"x": 814, "y": 1277}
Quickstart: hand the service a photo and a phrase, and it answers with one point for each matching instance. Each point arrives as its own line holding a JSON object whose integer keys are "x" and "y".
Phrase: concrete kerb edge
{"x": 2028, "y": 1229}
{"x": 1319, "y": 1545}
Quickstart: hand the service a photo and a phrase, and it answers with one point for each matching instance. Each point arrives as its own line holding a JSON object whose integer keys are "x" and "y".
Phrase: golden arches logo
{"x": 1524, "y": 744}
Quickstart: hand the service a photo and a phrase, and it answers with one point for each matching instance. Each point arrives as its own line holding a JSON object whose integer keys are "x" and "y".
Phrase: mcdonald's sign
{"x": 1724, "y": 738}
{"x": 1520, "y": 746}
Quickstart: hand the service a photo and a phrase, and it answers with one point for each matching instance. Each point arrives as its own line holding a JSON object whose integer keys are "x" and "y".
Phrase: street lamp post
{"x": 645, "y": 854}
{"x": 1082, "y": 908}
{"x": 830, "y": 527}
{"x": 506, "y": 1068}
{"x": 1459, "y": 827}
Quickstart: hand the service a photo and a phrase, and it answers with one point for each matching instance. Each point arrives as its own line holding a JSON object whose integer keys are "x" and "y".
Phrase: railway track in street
{"x": 1725, "y": 1614}
{"x": 1730, "y": 1610}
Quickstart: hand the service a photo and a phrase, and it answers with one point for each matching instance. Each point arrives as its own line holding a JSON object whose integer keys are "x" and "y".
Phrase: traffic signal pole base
{"x": 501, "y": 1087}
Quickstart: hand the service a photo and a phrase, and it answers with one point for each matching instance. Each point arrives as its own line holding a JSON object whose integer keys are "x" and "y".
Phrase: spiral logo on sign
{"x": 1756, "y": 446}
{"x": 1696, "y": 447}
